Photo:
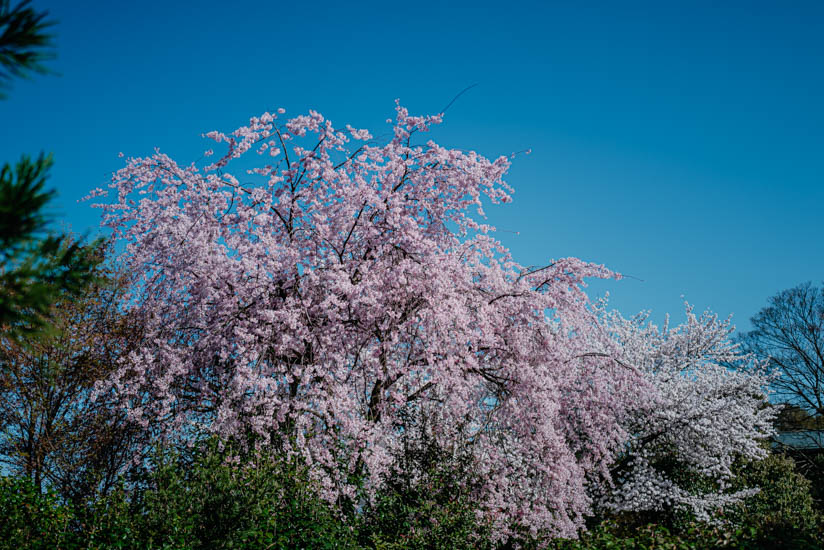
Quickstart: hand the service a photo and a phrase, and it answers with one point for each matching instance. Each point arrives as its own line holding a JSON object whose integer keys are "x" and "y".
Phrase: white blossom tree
{"x": 704, "y": 414}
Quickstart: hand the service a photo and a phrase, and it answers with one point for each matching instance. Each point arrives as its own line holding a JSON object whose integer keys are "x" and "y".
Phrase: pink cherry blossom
{"x": 318, "y": 301}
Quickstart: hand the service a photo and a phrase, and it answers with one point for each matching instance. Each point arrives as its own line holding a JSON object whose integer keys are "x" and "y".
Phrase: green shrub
{"x": 227, "y": 499}
{"x": 431, "y": 515}
{"x": 812, "y": 468}
{"x": 219, "y": 498}
{"x": 426, "y": 501}
{"x": 612, "y": 536}
{"x": 214, "y": 498}
{"x": 781, "y": 516}
{"x": 693, "y": 536}
{"x": 783, "y": 509}
{"x": 815, "y": 473}
{"x": 30, "y": 519}
{"x": 108, "y": 524}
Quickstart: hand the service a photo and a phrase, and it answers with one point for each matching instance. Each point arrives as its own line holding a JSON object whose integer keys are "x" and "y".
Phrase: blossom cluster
{"x": 708, "y": 409}
{"x": 313, "y": 288}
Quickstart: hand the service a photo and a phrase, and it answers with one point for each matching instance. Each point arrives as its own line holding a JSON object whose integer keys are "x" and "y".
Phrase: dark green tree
{"x": 24, "y": 42}
{"x": 35, "y": 267}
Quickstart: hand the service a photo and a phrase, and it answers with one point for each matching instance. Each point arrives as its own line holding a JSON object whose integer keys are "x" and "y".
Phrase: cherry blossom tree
{"x": 706, "y": 412}
{"x": 316, "y": 294}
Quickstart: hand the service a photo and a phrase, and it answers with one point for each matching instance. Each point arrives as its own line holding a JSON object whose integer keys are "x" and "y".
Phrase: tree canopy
{"x": 35, "y": 267}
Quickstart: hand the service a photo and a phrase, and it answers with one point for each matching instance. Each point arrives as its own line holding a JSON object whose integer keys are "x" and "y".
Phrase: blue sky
{"x": 679, "y": 143}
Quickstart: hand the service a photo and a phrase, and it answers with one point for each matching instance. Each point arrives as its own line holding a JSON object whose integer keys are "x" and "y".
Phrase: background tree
{"x": 34, "y": 267}
{"x": 792, "y": 417}
{"x": 789, "y": 332}
{"x": 51, "y": 430}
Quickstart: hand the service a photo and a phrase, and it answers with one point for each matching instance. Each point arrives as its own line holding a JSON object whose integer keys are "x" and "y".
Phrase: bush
{"x": 426, "y": 501}
{"x": 107, "y": 523}
{"x": 693, "y": 536}
{"x": 815, "y": 473}
{"x": 223, "y": 498}
{"x": 782, "y": 514}
{"x": 612, "y": 536}
{"x": 30, "y": 519}
{"x": 213, "y": 498}
{"x": 811, "y": 466}
{"x": 216, "y": 497}
{"x": 433, "y": 514}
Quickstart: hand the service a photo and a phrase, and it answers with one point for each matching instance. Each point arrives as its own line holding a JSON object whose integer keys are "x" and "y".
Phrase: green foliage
{"x": 426, "y": 501}
{"x": 780, "y": 516}
{"x": 792, "y": 418}
{"x": 612, "y": 536}
{"x": 34, "y": 270}
{"x": 23, "y": 190}
{"x": 433, "y": 514}
{"x": 108, "y": 524}
{"x": 692, "y": 536}
{"x": 217, "y": 498}
{"x": 24, "y": 42}
{"x": 783, "y": 511}
{"x": 813, "y": 469}
{"x": 30, "y": 519}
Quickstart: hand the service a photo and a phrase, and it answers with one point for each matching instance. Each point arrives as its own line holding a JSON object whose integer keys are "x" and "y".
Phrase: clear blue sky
{"x": 680, "y": 143}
